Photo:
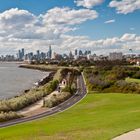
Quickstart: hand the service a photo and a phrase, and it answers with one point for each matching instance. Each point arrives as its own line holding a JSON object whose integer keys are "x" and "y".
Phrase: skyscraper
{"x": 80, "y": 53}
{"x": 23, "y": 53}
{"x": 38, "y": 54}
{"x": 50, "y": 52}
{"x": 76, "y": 52}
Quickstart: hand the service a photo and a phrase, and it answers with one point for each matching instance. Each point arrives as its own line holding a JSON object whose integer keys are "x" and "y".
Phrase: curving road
{"x": 63, "y": 106}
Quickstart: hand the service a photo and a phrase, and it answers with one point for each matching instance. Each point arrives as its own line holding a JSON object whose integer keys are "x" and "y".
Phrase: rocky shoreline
{"x": 45, "y": 80}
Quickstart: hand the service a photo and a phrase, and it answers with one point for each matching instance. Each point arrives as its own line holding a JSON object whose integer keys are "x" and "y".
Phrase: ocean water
{"x": 14, "y": 80}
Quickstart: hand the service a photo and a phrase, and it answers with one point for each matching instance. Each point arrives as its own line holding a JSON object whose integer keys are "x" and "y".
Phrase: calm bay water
{"x": 14, "y": 80}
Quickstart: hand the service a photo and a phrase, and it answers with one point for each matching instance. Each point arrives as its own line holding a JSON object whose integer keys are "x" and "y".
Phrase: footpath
{"x": 35, "y": 108}
{"x": 132, "y": 135}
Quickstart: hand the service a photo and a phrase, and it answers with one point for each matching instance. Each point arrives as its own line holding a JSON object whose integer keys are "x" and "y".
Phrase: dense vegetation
{"x": 55, "y": 99}
{"x": 70, "y": 75}
{"x": 5, "y": 116}
{"x": 87, "y": 63}
{"x": 112, "y": 79}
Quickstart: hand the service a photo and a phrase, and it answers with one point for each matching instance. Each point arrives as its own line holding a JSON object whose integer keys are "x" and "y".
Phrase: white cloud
{"x": 109, "y": 21}
{"x": 88, "y": 3}
{"x": 125, "y": 6}
{"x": 15, "y": 18}
{"x": 68, "y": 16}
{"x": 20, "y": 28}
{"x": 102, "y": 46}
{"x": 128, "y": 37}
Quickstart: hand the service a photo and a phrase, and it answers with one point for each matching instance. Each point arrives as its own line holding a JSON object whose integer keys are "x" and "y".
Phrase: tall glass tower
{"x": 50, "y": 52}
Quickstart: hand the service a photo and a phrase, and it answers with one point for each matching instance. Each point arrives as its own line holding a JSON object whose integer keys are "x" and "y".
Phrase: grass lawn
{"x": 97, "y": 117}
{"x": 132, "y": 80}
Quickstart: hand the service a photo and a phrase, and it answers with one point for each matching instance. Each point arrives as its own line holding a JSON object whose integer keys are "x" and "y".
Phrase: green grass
{"x": 131, "y": 80}
{"x": 97, "y": 117}
{"x": 57, "y": 75}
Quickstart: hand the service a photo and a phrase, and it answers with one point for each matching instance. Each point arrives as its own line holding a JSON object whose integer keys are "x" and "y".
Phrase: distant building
{"x": 38, "y": 54}
{"x": 76, "y": 52}
{"x": 57, "y": 56}
{"x": 49, "y": 54}
{"x": 80, "y": 52}
{"x": 115, "y": 56}
{"x": 21, "y": 54}
{"x": 70, "y": 55}
{"x": 42, "y": 56}
{"x": 138, "y": 63}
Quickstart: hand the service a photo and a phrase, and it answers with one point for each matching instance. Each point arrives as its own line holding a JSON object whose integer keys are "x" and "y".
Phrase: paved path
{"x": 63, "y": 106}
{"x": 132, "y": 135}
{"x": 35, "y": 108}
{"x": 31, "y": 108}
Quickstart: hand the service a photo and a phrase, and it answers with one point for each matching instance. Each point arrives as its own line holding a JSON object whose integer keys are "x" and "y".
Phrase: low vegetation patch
{"x": 6, "y": 116}
{"x": 132, "y": 80}
{"x": 71, "y": 89}
{"x": 55, "y": 99}
{"x": 40, "y": 67}
{"x": 70, "y": 75}
{"x": 113, "y": 79}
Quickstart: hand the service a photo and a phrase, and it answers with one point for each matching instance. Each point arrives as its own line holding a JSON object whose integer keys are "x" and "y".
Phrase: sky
{"x": 101, "y": 26}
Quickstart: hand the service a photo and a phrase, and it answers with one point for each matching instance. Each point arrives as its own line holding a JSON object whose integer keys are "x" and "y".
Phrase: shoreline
{"x": 38, "y": 67}
{"x": 29, "y": 102}
{"x": 40, "y": 83}
{"x": 29, "y": 96}
{"x": 36, "y": 84}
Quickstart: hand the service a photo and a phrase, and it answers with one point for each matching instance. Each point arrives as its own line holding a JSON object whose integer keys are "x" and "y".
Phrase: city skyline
{"x": 101, "y": 26}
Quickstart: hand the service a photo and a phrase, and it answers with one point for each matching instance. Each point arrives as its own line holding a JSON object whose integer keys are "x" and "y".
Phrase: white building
{"x": 115, "y": 56}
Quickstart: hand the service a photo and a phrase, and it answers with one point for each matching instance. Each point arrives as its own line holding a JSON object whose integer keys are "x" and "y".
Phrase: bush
{"x": 69, "y": 89}
{"x": 55, "y": 99}
{"x": 112, "y": 79}
{"x": 137, "y": 75}
{"x": 6, "y": 116}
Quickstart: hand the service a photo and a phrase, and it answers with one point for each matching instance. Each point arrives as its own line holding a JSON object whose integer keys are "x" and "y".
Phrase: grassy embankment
{"x": 40, "y": 67}
{"x": 132, "y": 80}
{"x": 46, "y": 67}
{"x": 97, "y": 117}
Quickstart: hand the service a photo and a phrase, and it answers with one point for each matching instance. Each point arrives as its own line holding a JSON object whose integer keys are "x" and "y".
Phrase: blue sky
{"x": 112, "y": 21}
{"x": 96, "y": 28}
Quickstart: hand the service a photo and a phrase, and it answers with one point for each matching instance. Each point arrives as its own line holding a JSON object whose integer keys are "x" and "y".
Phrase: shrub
{"x": 112, "y": 79}
{"x": 55, "y": 99}
{"x": 6, "y": 116}
{"x": 137, "y": 75}
{"x": 69, "y": 89}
